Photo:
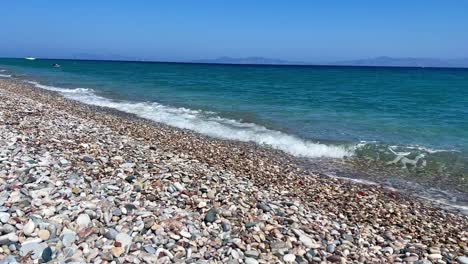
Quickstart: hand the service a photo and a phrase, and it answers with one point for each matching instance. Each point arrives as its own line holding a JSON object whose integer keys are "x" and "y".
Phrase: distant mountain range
{"x": 247, "y": 60}
{"x": 406, "y": 62}
{"x": 378, "y": 61}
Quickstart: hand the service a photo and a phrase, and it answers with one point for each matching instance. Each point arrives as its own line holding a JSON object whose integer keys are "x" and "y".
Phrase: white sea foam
{"x": 5, "y": 75}
{"x": 207, "y": 123}
{"x": 2, "y": 70}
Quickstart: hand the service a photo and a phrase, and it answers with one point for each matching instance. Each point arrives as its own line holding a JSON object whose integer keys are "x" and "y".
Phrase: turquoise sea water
{"x": 410, "y": 122}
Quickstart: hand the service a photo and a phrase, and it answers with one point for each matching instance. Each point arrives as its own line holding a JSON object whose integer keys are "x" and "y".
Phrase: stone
{"x": 410, "y": 259}
{"x": 250, "y": 224}
{"x": 150, "y": 249}
{"x": 251, "y": 254}
{"x": 34, "y": 247}
{"x": 117, "y": 251}
{"x": 250, "y": 261}
{"x": 69, "y": 237}
{"x": 88, "y": 159}
{"x": 289, "y": 258}
{"x": 43, "y": 234}
{"x": 111, "y": 234}
{"x": 265, "y": 207}
{"x": 462, "y": 259}
{"x": 185, "y": 234}
{"x": 46, "y": 254}
{"x": 124, "y": 239}
{"x": 434, "y": 257}
{"x": 29, "y": 227}
{"x": 8, "y": 238}
{"x": 331, "y": 248}
{"x": 83, "y": 221}
{"x": 130, "y": 179}
{"x": 179, "y": 186}
{"x": 387, "y": 250}
{"x": 278, "y": 247}
{"x": 308, "y": 242}
{"x": 210, "y": 216}
{"x": 116, "y": 211}
{"x": 4, "y": 217}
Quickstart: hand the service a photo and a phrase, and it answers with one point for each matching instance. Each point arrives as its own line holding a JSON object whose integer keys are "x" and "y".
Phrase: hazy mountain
{"x": 406, "y": 62}
{"x": 247, "y": 60}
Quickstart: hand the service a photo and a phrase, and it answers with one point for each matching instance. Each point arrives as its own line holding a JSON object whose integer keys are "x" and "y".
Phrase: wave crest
{"x": 208, "y": 123}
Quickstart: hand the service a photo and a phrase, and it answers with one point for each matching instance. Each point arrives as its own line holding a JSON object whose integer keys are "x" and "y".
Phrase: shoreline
{"x": 348, "y": 169}
{"x": 381, "y": 217}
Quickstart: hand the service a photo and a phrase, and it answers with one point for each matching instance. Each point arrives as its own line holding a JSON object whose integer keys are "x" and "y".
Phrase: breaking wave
{"x": 208, "y": 123}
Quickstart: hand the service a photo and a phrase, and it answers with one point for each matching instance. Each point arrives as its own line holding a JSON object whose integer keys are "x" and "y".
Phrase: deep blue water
{"x": 371, "y": 113}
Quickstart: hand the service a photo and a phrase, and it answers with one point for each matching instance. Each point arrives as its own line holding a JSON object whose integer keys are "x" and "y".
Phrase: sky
{"x": 308, "y": 31}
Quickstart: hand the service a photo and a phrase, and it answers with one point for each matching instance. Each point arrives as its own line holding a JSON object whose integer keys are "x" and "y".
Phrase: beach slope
{"x": 86, "y": 184}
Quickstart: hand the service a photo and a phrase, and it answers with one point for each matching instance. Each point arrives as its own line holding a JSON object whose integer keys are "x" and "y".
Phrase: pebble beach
{"x": 83, "y": 184}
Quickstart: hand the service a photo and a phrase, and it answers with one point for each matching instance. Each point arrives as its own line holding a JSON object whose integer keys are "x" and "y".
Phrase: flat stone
{"x": 289, "y": 258}
{"x": 308, "y": 242}
{"x": 179, "y": 186}
{"x": 88, "y": 159}
{"x": 35, "y": 247}
{"x": 111, "y": 234}
{"x": 8, "y": 238}
{"x": 47, "y": 254}
{"x": 250, "y": 224}
{"x": 462, "y": 260}
{"x": 4, "y": 217}
{"x": 29, "y": 227}
{"x": 265, "y": 207}
{"x": 124, "y": 239}
{"x": 210, "y": 216}
{"x": 250, "y": 261}
{"x": 83, "y": 221}
{"x": 331, "y": 248}
{"x": 117, "y": 251}
{"x": 185, "y": 234}
{"x": 43, "y": 234}
{"x": 69, "y": 237}
{"x": 278, "y": 247}
{"x": 116, "y": 212}
{"x": 150, "y": 249}
{"x": 251, "y": 254}
{"x": 434, "y": 256}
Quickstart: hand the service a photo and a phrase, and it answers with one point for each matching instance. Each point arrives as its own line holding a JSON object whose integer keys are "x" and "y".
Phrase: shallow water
{"x": 391, "y": 124}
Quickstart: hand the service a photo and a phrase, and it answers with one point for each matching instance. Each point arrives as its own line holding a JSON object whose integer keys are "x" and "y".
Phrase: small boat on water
{"x": 56, "y": 65}
{"x": 30, "y": 58}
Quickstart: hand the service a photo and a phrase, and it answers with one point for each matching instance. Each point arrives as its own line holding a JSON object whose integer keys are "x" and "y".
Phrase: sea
{"x": 402, "y": 128}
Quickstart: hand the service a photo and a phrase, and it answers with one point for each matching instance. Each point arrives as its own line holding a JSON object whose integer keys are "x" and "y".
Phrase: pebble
{"x": 250, "y": 261}
{"x": 462, "y": 259}
{"x": 289, "y": 258}
{"x": 434, "y": 256}
{"x": 83, "y": 221}
{"x": 117, "y": 251}
{"x": 29, "y": 227}
{"x": 69, "y": 237}
{"x": 124, "y": 239}
{"x": 210, "y": 216}
{"x": 4, "y": 217}
{"x": 308, "y": 242}
{"x": 251, "y": 254}
{"x": 47, "y": 254}
{"x": 111, "y": 234}
{"x": 43, "y": 234}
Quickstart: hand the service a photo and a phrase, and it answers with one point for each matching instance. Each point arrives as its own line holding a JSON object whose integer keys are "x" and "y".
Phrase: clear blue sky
{"x": 186, "y": 30}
